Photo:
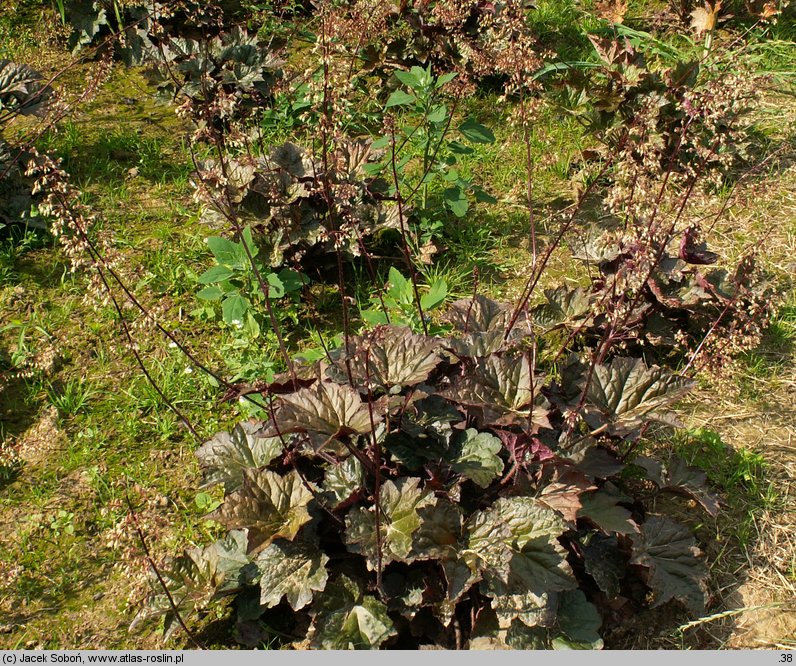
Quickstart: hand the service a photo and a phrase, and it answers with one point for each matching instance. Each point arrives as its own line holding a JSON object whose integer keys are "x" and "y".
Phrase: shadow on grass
{"x": 741, "y": 480}
{"x": 113, "y": 157}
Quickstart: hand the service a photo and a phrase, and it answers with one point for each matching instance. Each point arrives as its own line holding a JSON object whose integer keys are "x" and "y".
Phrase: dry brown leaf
{"x": 703, "y": 19}
{"x": 769, "y": 10}
{"x": 612, "y": 10}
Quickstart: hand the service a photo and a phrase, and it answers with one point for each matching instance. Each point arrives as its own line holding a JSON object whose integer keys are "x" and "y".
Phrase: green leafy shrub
{"x": 241, "y": 283}
{"x": 400, "y": 303}
{"x": 417, "y": 488}
{"x": 425, "y": 130}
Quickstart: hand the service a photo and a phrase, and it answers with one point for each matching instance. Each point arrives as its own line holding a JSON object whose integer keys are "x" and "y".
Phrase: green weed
{"x": 70, "y": 397}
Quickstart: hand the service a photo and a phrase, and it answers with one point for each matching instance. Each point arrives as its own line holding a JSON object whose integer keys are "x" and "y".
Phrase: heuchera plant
{"x": 453, "y": 491}
{"x": 22, "y": 93}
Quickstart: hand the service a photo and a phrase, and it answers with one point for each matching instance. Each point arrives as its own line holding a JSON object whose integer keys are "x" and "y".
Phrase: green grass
{"x": 70, "y": 397}
{"x": 741, "y": 475}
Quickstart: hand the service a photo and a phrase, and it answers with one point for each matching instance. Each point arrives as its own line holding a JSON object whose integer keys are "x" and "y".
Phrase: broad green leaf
{"x": 327, "y": 409}
{"x": 482, "y": 195}
{"x": 227, "y": 252}
{"x": 248, "y": 240}
{"x": 423, "y": 75}
{"x": 436, "y": 294}
{"x": 343, "y": 480}
{"x": 398, "y": 521}
{"x": 292, "y": 280}
{"x": 602, "y": 509}
{"x": 445, "y": 78}
{"x": 347, "y": 620}
{"x": 399, "y": 287}
{"x": 476, "y": 458}
{"x": 211, "y": 293}
{"x": 294, "y": 570}
{"x": 451, "y": 175}
{"x": 275, "y": 287}
{"x": 375, "y": 317}
{"x": 475, "y": 132}
{"x": 407, "y": 78}
{"x": 400, "y": 98}
{"x": 669, "y": 552}
{"x": 579, "y": 623}
{"x": 268, "y": 504}
{"x": 234, "y": 309}
{"x": 438, "y": 114}
{"x": 224, "y": 458}
{"x": 456, "y": 199}
{"x": 391, "y": 356}
{"x": 216, "y": 274}
{"x": 627, "y": 392}
{"x": 458, "y": 148}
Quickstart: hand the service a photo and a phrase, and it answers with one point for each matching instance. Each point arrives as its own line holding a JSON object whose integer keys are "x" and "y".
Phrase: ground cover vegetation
{"x": 372, "y": 326}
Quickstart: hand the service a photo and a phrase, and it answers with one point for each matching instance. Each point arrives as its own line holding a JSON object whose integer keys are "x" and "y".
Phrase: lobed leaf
{"x": 483, "y": 324}
{"x": 295, "y": 570}
{"x": 347, "y": 620}
{"x": 226, "y": 456}
{"x": 503, "y": 388}
{"x": 195, "y": 578}
{"x": 342, "y": 480}
{"x": 328, "y": 409}
{"x": 602, "y": 508}
{"x": 399, "y": 502}
{"x": 579, "y": 623}
{"x": 476, "y": 457}
{"x": 564, "y": 307}
{"x": 269, "y": 505}
{"x": 669, "y": 553}
{"x": 391, "y": 356}
{"x": 627, "y": 392}
{"x": 604, "y": 562}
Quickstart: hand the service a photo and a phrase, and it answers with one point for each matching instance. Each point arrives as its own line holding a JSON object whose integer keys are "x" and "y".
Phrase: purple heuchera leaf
{"x": 668, "y": 551}
{"x": 328, "y": 409}
{"x": 390, "y": 356}
{"x": 505, "y": 391}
